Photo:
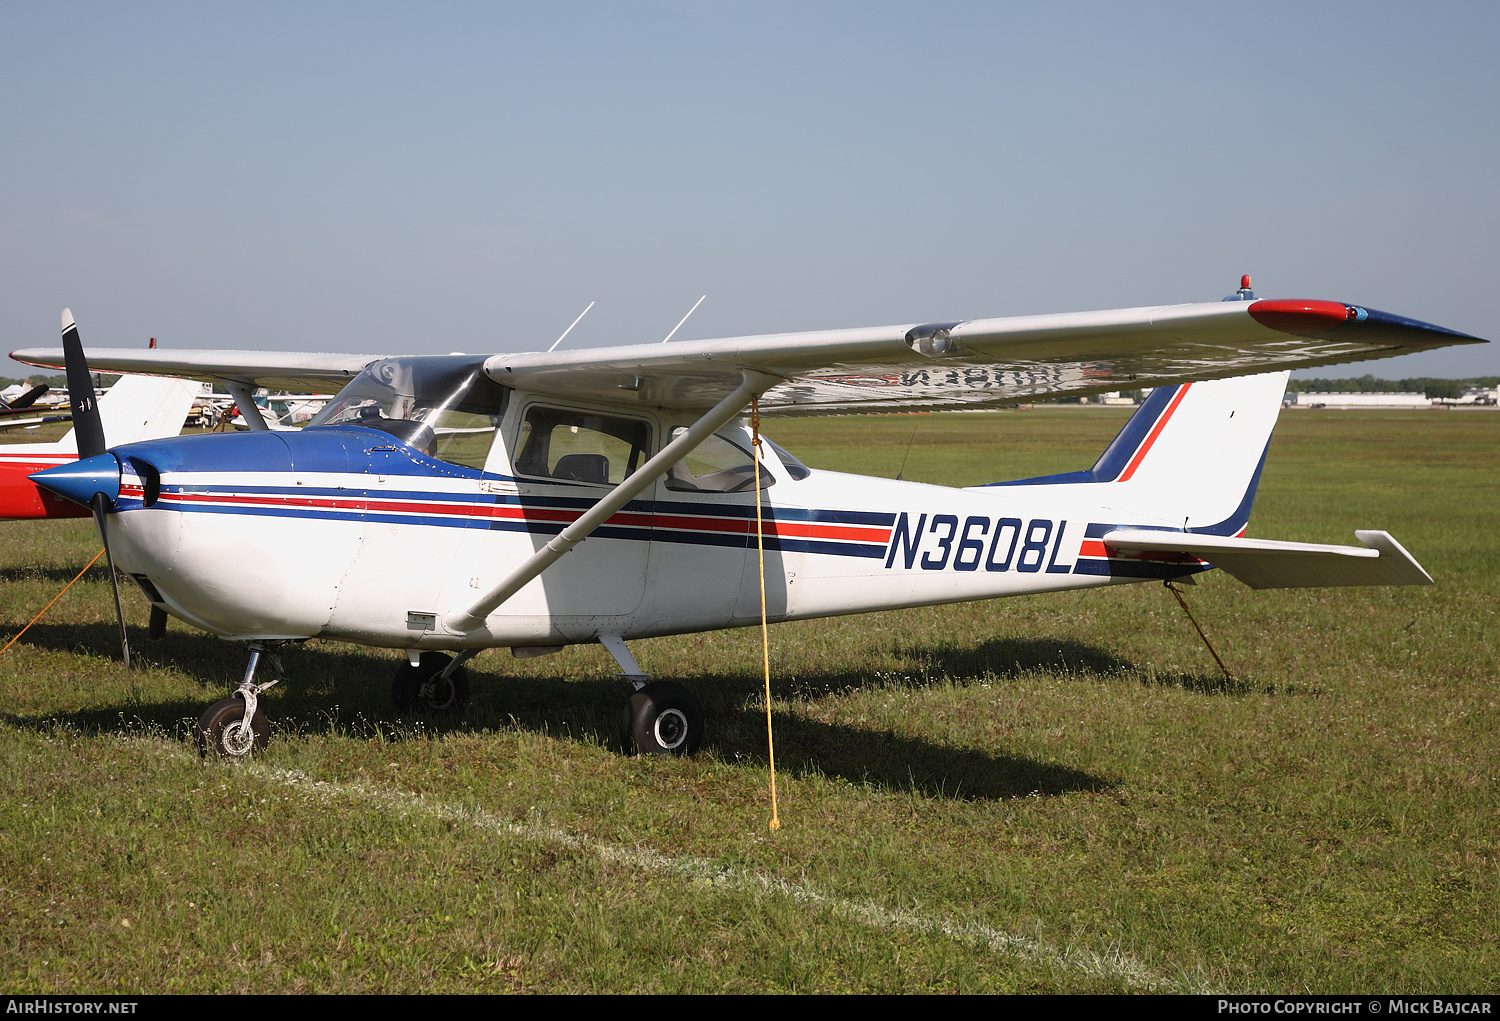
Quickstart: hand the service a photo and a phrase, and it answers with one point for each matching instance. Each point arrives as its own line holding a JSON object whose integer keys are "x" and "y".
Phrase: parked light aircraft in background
{"x": 449, "y": 504}
{"x": 17, "y": 400}
{"x": 281, "y": 412}
{"x": 135, "y": 408}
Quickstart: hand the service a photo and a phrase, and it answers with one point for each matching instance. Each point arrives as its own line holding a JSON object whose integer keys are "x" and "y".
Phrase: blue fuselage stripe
{"x": 368, "y": 506}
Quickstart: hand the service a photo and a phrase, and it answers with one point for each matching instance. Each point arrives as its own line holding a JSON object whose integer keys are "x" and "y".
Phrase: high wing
{"x": 276, "y": 370}
{"x": 960, "y": 364}
{"x": 983, "y": 362}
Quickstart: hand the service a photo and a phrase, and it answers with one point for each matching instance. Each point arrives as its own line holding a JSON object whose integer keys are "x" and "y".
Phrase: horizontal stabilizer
{"x": 1267, "y": 563}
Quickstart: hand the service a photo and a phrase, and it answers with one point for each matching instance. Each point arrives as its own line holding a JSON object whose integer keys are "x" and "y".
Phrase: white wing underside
{"x": 1267, "y": 563}
{"x": 975, "y": 364}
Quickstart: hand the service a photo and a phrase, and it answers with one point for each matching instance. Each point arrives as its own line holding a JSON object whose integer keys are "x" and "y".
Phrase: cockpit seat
{"x": 583, "y": 468}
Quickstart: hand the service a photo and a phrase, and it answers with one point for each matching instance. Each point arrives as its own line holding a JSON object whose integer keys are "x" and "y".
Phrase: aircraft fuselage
{"x": 372, "y": 541}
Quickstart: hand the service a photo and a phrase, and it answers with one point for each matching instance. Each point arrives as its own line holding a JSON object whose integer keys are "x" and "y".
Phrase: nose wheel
{"x": 223, "y": 733}
{"x": 662, "y": 718}
{"x": 235, "y": 727}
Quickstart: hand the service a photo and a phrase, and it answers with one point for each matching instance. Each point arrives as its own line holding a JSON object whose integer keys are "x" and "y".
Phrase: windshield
{"x": 446, "y": 407}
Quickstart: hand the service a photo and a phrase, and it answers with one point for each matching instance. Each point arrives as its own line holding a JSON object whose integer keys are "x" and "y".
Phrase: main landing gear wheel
{"x": 662, "y": 718}
{"x": 420, "y": 687}
{"x": 221, "y": 731}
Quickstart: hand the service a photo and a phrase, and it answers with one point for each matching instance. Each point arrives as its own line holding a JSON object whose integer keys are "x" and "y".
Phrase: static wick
{"x": 569, "y": 330}
{"x": 683, "y": 319}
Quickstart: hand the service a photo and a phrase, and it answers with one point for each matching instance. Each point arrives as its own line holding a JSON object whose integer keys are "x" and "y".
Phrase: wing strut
{"x": 244, "y": 398}
{"x": 753, "y": 384}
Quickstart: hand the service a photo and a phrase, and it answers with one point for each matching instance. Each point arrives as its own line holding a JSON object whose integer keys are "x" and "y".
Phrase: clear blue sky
{"x": 427, "y": 178}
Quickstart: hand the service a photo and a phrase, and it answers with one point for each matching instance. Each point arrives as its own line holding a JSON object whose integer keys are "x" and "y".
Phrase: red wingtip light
{"x": 1298, "y": 316}
{"x": 153, "y": 342}
{"x": 1245, "y": 282}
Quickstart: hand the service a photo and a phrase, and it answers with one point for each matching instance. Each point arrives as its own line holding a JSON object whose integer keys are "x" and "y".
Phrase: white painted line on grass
{"x": 1108, "y": 964}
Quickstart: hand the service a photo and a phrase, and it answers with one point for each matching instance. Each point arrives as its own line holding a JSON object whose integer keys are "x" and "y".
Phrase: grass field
{"x": 1053, "y": 793}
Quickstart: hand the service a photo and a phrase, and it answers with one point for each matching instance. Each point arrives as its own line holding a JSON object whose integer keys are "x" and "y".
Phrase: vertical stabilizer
{"x": 1191, "y": 455}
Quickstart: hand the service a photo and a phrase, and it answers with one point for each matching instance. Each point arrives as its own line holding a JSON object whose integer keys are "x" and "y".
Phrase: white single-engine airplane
{"x": 441, "y": 504}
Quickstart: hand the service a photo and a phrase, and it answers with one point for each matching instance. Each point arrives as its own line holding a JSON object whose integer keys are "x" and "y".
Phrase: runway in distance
{"x": 443, "y": 505}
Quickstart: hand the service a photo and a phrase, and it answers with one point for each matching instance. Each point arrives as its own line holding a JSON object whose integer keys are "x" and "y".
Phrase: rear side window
{"x": 581, "y": 446}
{"x": 795, "y": 468}
{"x": 718, "y": 465}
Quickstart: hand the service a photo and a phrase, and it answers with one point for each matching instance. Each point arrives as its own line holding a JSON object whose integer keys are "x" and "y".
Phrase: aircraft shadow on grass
{"x": 348, "y": 692}
{"x": 1012, "y": 658}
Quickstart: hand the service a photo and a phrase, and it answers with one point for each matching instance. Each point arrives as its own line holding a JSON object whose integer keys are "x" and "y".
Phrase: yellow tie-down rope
{"x": 55, "y": 598}
{"x": 765, "y": 634}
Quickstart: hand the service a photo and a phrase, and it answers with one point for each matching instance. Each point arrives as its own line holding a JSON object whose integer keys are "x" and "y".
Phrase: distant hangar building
{"x": 1357, "y": 400}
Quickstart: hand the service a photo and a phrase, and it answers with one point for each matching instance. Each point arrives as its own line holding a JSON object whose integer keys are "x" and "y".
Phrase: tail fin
{"x": 1191, "y": 455}
{"x": 144, "y": 408}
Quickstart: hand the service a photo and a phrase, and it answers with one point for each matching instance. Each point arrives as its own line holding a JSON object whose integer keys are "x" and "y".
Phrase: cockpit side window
{"x": 463, "y": 434}
{"x": 581, "y": 446}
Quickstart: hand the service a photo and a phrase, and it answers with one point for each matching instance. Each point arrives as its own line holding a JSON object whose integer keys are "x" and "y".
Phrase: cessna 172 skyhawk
{"x": 441, "y": 504}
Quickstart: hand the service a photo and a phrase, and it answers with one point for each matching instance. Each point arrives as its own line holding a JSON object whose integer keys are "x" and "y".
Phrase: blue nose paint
{"x": 80, "y": 480}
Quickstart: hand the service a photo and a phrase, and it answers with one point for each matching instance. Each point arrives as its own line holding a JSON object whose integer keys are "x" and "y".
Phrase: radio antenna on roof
{"x": 569, "y": 330}
{"x": 684, "y": 319}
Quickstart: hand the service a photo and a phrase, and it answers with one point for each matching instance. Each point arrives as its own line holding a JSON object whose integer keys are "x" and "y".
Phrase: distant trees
{"x": 55, "y": 382}
{"x": 1431, "y": 387}
{"x": 58, "y": 382}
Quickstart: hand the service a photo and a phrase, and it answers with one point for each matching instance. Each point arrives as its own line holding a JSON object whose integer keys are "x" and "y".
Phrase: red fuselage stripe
{"x": 735, "y": 526}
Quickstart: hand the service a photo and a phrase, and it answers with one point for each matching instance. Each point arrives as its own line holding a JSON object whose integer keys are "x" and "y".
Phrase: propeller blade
{"x": 88, "y": 431}
{"x": 100, "y": 505}
{"x": 88, "y": 428}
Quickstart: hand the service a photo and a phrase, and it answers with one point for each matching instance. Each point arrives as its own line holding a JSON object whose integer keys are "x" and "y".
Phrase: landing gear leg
{"x": 661, "y": 718}
{"x": 436, "y": 682}
{"x": 235, "y": 728}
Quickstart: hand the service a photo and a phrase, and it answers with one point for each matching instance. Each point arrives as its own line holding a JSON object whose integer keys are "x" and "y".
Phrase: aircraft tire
{"x": 663, "y": 718}
{"x": 220, "y": 731}
{"x": 451, "y": 695}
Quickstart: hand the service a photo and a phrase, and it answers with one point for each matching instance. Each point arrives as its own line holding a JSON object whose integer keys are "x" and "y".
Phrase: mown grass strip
{"x": 1069, "y": 768}
{"x": 1108, "y": 964}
